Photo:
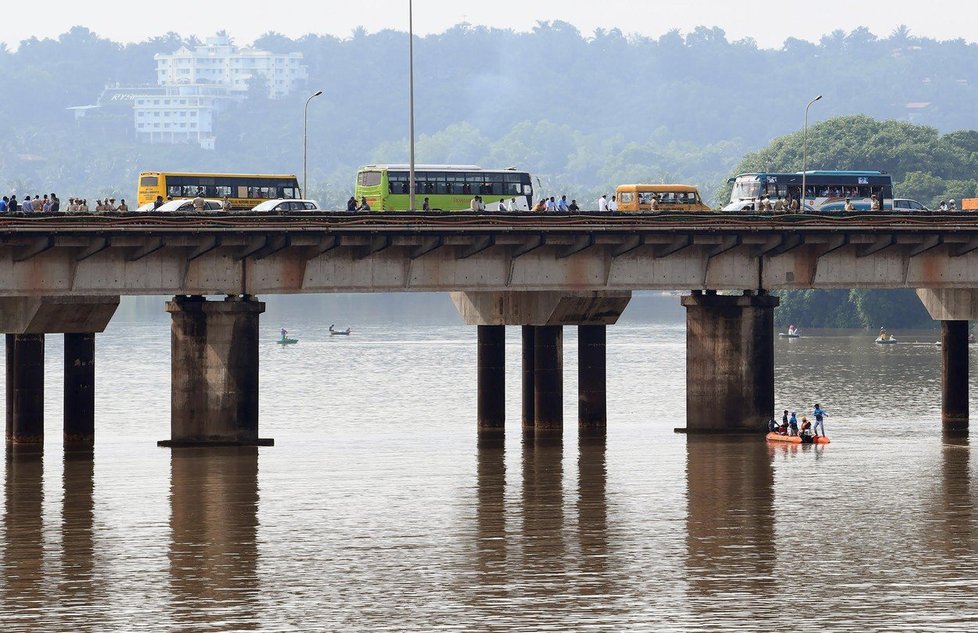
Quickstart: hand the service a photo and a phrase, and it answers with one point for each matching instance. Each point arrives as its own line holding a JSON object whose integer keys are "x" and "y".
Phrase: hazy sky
{"x": 767, "y": 21}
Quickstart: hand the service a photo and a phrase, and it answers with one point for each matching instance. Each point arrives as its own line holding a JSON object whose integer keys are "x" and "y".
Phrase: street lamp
{"x": 411, "y": 103}
{"x": 305, "y": 126}
{"x": 804, "y": 154}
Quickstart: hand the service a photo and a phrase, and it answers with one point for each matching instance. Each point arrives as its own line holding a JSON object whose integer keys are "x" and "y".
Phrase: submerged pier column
{"x": 729, "y": 362}
{"x": 79, "y": 391}
{"x": 548, "y": 379}
{"x": 528, "y": 381}
{"x": 214, "y": 372}
{"x": 954, "y": 375}
{"x": 592, "y": 399}
{"x": 25, "y": 389}
{"x": 492, "y": 378}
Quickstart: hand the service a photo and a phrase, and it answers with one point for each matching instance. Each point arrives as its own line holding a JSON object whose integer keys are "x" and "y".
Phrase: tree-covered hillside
{"x": 582, "y": 111}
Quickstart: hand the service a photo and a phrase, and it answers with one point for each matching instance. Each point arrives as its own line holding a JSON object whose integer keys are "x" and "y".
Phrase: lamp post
{"x": 305, "y": 126}
{"x": 804, "y": 154}
{"x": 411, "y": 103}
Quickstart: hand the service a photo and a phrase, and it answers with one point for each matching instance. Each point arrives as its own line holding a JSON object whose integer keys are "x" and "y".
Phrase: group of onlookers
{"x": 552, "y": 204}
{"x": 52, "y": 204}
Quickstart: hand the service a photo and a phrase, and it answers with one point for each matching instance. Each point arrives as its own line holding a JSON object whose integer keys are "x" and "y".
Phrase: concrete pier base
{"x": 528, "y": 382}
{"x": 25, "y": 389}
{"x": 492, "y": 378}
{"x": 592, "y": 399}
{"x": 214, "y": 372}
{"x": 729, "y": 362}
{"x": 954, "y": 375}
{"x": 548, "y": 380}
{"x": 79, "y": 391}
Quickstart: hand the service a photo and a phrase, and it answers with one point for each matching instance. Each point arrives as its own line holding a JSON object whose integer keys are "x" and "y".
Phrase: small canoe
{"x": 345, "y": 332}
{"x": 889, "y": 341}
{"x": 287, "y": 341}
{"x": 786, "y": 335}
{"x": 796, "y": 439}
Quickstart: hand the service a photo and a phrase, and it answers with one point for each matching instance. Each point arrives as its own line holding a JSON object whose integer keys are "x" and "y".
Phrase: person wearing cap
{"x": 875, "y": 204}
{"x": 849, "y": 206}
{"x": 110, "y": 205}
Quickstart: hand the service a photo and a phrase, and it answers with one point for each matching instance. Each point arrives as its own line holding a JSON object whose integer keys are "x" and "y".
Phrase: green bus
{"x": 447, "y": 187}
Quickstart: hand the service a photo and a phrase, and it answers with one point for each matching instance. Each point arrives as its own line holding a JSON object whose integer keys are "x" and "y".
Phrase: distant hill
{"x": 584, "y": 112}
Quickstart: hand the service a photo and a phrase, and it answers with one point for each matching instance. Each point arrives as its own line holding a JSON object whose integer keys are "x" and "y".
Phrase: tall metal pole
{"x": 804, "y": 155}
{"x": 305, "y": 127}
{"x": 411, "y": 100}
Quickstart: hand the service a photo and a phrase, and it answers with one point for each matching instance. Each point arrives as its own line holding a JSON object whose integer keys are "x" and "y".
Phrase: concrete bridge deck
{"x": 391, "y": 252}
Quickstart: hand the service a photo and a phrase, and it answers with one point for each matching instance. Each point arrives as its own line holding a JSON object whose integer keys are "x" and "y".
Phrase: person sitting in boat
{"x": 285, "y": 334}
{"x": 806, "y": 427}
{"x": 793, "y": 424}
{"x": 772, "y": 426}
{"x": 792, "y": 330}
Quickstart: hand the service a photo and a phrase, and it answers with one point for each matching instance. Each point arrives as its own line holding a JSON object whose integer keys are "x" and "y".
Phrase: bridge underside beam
{"x": 49, "y": 315}
{"x": 540, "y": 308}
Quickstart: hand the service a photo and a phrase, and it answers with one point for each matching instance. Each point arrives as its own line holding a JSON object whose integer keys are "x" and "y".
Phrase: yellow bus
{"x": 637, "y": 198}
{"x": 244, "y": 191}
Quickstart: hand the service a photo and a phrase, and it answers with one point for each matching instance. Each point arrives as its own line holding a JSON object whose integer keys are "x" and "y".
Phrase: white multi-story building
{"x": 219, "y": 62}
{"x": 197, "y": 82}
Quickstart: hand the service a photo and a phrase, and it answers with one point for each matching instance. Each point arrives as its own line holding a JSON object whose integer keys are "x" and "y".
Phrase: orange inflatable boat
{"x": 796, "y": 439}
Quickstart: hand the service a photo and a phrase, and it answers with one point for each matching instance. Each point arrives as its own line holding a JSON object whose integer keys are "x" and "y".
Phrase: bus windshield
{"x": 744, "y": 189}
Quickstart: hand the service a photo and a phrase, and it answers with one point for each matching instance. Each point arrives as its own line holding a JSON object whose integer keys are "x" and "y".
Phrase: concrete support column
{"x": 214, "y": 372}
{"x": 492, "y": 378}
{"x": 592, "y": 399}
{"x": 528, "y": 382}
{"x": 25, "y": 389}
{"x": 548, "y": 379}
{"x": 79, "y": 385}
{"x": 954, "y": 375}
{"x": 729, "y": 362}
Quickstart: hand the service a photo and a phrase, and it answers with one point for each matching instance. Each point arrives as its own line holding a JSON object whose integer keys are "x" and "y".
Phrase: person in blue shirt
{"x": 3, "y": 204}
{"x": 562, "y": 204}
{"x": 820, "y": 416}
{"x": 793, "y": 424}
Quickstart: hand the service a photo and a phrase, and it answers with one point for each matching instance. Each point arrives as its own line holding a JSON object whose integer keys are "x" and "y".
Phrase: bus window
{"x": 149, "y": 181}
{"x": 369, "y": 178}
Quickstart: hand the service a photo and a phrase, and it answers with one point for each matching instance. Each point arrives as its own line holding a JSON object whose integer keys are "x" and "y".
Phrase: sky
{"x": 769, "y": 22}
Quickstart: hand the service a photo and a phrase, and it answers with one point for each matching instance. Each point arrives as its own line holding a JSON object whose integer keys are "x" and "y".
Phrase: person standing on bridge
{"x": 562, "y": 204}
{"x": 157, "y": 203}
{"x": 426, "y": 205}
{"x": 351, "y": 204}
{"x": 363, "y": 204}
{"x": 603, "y": 203}
{"x": 875, "y": 204}
{"x": 501, "y": 207}
{"x": 849, "y": 206}
{"x": 820, "y": 416}
{"x": 572, "y": 207}
{"x": 198, "y": 202}
{"x": 613, "y": 205}
{"x": 12, "y": 204}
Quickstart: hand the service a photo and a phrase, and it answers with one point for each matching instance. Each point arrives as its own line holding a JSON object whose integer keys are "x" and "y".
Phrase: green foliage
{"x": 857, "y": 308}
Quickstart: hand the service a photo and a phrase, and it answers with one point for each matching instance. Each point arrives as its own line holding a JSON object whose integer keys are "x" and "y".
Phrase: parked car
{"x": 906, "y": 204}
{"x": 286, "y": 204}
{"x": 187, "y": 206}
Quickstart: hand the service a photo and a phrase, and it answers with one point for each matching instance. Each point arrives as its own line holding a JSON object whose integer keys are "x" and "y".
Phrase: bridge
{"x": 65, "y": 274}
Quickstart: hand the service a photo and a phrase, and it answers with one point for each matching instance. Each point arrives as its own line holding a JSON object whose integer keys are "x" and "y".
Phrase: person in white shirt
{"x": 512, "y": 205}
{"x": 551, "y": 205}
{"x": 602, "y": 203}
{"x": 613, "y": 205}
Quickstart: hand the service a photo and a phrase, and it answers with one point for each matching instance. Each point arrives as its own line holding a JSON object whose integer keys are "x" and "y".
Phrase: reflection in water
{"x": 730, "y": 537}
{"x": 213, "y": 548}
{"x": 957, "y": 507}
{"x": 77, "y": 531}
{"x": 544, "y": 554}
{"x": 592, "y": 520}
{"x": 23, "y": 550}
{"x": 491, "y": 516}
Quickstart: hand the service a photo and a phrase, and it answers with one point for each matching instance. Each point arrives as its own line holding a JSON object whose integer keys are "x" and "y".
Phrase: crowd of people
{"x": 791, "y": 426}
{"x": 51, "y": 203}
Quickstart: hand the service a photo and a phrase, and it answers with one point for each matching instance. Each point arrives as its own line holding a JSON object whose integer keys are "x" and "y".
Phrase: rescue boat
{"x": 796, "y": 439}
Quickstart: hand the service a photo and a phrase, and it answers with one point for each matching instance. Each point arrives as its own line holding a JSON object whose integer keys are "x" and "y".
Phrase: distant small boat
{"x": 886, "y": 341}
{"x": 789, "y": 334}
{"x": 335, "y": 332}
{"x": 287, "y": 341}
{"x": 797, "y": 439}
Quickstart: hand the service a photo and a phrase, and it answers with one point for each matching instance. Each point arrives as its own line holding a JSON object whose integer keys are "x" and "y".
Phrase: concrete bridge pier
{"x": 25, "y": 389}
{"x": 79, "y": 385}
{"x": 542, "y": 316}
{"x": 492, "y": 378}
{"x": 954, "y": 375}
{"x": 729, "y": 362}
{"x": 592, "y": 398}
{"x": 214, "y": 372}
{"x": 548, "y": 380}
{"x": 954, "y": 308}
